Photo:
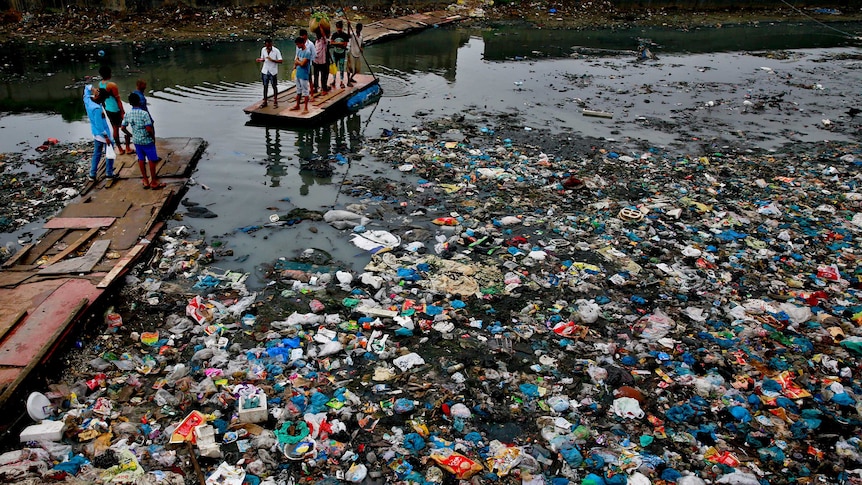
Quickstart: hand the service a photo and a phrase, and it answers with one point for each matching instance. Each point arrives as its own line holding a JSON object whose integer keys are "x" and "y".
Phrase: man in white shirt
{"x": 270, "y": 56}
{"x": 354, "y": 61}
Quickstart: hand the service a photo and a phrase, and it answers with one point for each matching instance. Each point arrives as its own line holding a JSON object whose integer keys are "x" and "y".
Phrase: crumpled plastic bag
{"x": 226, "y": 475}
{"x": 408, "y": 361}
{"x": 342, "y": 219}
{"x": 588, "y": 310}
{"x": 198, "y": 310}
{"x": 628, "y": 408}
{"x": 738, "y": 478}
{"x": 356, "y": 473}
{"x": 654, "y": 326}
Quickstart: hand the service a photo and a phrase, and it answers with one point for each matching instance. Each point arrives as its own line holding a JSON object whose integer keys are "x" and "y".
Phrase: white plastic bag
{"x": 408, "y": 361}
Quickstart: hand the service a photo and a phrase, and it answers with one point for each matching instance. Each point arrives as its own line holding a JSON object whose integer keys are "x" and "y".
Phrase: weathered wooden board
{"x": 14, "y": 278}
{"x": 83, "y": 264}
{"x": 72, "y": 247}
{"x": 25, "y": 345}
{"x": 94, "y": 207}
{"x": 24, "y": 298}
{"x": 78, "y": 222}
{"x": 121, "y": 265}
{"x": 175, "y": 155}
{"x": 17, "y": 256}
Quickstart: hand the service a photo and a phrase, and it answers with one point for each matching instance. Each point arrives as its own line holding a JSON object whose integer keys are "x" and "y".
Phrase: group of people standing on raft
{"x": 108, "y": 118}
{"x": 337, "y": 54}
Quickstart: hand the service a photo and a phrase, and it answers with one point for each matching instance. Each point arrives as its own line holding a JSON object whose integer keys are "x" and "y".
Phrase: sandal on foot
{"x": 158, "y": 185}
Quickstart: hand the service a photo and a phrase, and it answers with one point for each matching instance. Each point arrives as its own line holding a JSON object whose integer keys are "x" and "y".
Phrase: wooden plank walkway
{"x": 47, "y": 286}
{"x": 387, "y": 29}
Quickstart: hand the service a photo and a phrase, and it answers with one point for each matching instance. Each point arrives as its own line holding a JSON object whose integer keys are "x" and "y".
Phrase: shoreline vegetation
{"x": 183, "y": 23}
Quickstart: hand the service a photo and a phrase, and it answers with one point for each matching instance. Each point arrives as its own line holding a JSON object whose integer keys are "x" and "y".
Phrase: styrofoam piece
{"x": 44, "y": 431}
{"x": 258, "y": 414}
{"x": 205, "y": 441}
{"x": 39, "y": 406}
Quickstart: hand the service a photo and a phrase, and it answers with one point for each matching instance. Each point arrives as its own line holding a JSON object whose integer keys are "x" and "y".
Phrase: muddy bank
{"x": 181, "y": 23}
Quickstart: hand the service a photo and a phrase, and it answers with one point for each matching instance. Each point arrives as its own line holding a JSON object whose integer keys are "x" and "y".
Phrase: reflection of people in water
{"x": 340, "y": 132}
{"x": 354, "y": 132}
{"x": 323, "y": 134}
{"x": 308, "y": 179}
{"x": 315, "y": 145}
{"x": 275, "y": 169}
{"x": 305, "y": 144}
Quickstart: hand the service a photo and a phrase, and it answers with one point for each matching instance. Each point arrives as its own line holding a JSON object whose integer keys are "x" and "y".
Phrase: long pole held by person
{"x": 361, "y": 51}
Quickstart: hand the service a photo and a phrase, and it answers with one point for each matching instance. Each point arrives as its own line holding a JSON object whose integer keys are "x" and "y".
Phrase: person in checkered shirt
{"x": 144, "y": 138}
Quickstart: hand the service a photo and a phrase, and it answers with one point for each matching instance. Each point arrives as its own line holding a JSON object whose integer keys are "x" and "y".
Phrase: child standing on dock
{"x": 339, "y": 41}
{"x": 302, "y": 64}
{"x": 140, "y": 87}
{"x": 144, "y": 138}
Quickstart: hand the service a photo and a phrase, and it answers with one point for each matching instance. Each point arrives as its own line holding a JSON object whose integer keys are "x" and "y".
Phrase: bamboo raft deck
{"x": 47, "y": 286}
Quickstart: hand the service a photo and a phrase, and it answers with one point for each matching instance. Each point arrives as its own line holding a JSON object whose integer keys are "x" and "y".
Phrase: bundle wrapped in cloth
{"x": 319, "y": 19}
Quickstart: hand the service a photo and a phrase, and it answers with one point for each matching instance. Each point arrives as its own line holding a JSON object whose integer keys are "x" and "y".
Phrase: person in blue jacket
{"x": 100, "y": 128}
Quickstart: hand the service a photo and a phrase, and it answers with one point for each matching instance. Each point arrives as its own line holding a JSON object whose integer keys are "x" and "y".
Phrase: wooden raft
{"x": 332, "y": 104}
{"x": 47, "y": 286}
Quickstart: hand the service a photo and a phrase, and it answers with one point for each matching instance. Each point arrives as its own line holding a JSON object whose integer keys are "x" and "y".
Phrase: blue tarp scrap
{"x": 730, "y": 235}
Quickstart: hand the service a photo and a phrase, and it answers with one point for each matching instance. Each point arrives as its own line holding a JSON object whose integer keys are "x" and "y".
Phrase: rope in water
{"x": 847, "y": 34}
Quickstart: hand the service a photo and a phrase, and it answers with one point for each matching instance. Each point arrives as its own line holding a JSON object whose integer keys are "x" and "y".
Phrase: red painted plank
{"x": 32, "y": 338}
{"x": 8, "y": 376}
{"x": 78, "y": 222}
{"x": 24, "y": 297}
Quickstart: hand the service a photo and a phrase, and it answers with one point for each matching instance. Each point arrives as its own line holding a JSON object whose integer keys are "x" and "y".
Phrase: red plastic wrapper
{"x": 457, "y": 464}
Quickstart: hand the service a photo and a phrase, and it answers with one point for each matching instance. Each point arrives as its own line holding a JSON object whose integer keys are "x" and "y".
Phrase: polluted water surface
{"x": 667, "y": 293}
